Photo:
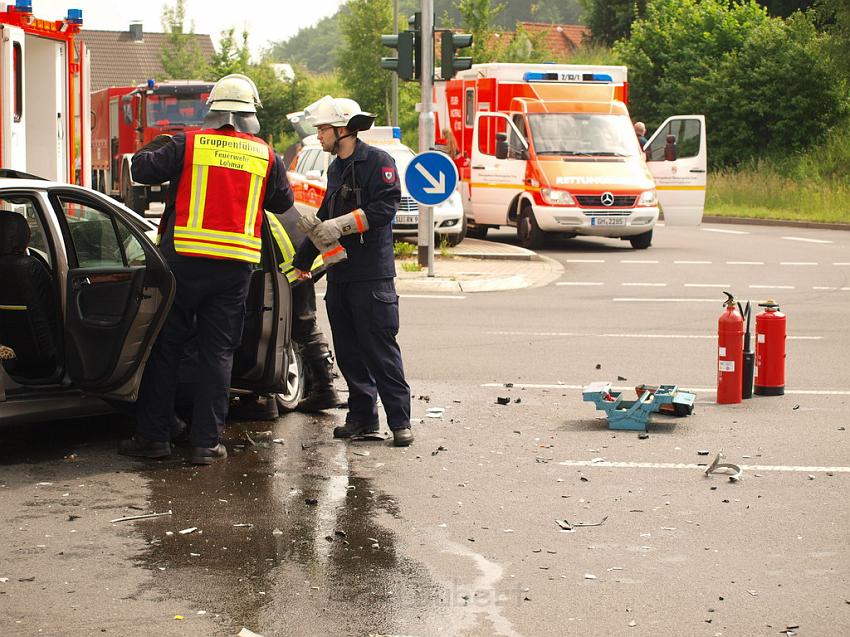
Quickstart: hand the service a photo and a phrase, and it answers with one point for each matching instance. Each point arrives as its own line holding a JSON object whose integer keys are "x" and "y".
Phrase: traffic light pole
{"x": 425, "y": 241}
{"x": 394, "y": 117}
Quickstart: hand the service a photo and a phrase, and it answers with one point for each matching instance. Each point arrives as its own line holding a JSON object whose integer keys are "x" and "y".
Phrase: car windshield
{"x": 403, "y": 156}
{"x": 583, "y": 135}
{"x": 175, "y": 110}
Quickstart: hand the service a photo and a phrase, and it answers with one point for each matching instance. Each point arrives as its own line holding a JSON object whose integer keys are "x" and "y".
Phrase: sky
{"x": 265, "y": 20}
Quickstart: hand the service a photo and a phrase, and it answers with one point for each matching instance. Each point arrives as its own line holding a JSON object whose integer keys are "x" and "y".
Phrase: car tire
{"x": 641, "y": 241}
{"x": 528, "y": 233}
{"x": 294, "y": 382}
{"x": 130, "y": 195}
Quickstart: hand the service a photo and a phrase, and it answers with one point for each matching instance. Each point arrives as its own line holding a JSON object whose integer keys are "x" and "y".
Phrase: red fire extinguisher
{"x": 730, "y": 353}
{"x": 770, "y": 350}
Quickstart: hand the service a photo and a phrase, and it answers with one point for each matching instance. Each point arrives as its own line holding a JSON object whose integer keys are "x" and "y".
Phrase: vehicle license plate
{"x": 607, "y": 221}
{"x": 407, "y": 218}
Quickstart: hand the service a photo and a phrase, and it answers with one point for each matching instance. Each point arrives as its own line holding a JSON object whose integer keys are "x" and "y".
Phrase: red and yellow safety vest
{"x": 219, "y": 206}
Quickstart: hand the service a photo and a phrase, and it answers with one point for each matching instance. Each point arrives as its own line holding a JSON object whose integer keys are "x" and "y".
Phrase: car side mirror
{"x": 501, "y": 146}
{"x": 671, "y": 149}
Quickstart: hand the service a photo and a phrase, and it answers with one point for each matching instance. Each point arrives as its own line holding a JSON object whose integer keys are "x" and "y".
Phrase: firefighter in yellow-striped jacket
{"x": 221, "y": 179}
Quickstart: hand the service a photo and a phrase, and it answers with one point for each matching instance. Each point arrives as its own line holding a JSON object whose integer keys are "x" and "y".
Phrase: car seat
{"x": 28, "y": 316}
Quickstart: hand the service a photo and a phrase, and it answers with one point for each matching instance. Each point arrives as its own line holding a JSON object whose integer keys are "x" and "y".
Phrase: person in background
{"x": 640, "y": 131}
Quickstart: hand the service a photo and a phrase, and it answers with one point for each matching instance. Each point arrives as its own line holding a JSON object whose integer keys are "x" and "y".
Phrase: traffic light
{"x": 449, "y": 44}
{"x": 403, "y": 43}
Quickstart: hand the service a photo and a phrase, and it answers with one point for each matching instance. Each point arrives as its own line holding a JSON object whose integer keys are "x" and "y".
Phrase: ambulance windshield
{"x": 583, "y": 135}
{"x": 176, "y": 110}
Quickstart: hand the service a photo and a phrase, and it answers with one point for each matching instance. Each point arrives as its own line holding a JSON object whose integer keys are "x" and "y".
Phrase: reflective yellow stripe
{"x": 198, "y": 196}
{"x": 253, "y": 203}
{"x": 318, "y": 263}
{"x": 19, "y": 308}
{"x": 218, "y": 236}
{"x": 284, "y": 243}
{"x": 680, "y": 187}
{"x": 216, "y": 250}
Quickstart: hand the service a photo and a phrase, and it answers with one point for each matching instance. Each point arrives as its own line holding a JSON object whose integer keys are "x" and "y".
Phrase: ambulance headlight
{"x": 557, "y": 197}
{"x": 648, "y": 198}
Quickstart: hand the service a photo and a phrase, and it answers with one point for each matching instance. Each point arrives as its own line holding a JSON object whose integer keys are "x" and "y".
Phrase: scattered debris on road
{"x": 717, "y": 465}
{"x": 248, "y": 633}
{"x": 503, "y": 400}
{"x": 139, "y": 517}
{"x": 566, "y": 525}
{"x": 435, "y": 412}
{"x": 191, "y": 529}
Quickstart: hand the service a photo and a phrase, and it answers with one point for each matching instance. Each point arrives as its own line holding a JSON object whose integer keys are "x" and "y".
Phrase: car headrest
{"x": 14, "y": 232}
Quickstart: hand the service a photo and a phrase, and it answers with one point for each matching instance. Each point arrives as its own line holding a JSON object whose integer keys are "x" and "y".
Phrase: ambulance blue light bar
{"x": 566, "y": 76}
{"x": 397, "y": 132}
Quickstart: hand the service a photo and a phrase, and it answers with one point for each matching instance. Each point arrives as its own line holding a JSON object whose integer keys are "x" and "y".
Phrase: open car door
{"x": 677, "y": 158}
{"x": 117, "y": 294}
{"x": 261, "y": 363}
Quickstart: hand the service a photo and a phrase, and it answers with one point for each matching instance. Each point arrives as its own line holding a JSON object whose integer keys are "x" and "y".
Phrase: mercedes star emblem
{"x": 607, "y": 199}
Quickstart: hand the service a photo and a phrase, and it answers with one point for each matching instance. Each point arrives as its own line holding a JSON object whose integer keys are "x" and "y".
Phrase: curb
{"x": 775, "y": 222}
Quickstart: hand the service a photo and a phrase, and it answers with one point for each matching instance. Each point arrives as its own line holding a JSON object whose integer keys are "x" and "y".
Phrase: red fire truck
{"x": 44, "y": 95}
{"x": 126, "y": 118}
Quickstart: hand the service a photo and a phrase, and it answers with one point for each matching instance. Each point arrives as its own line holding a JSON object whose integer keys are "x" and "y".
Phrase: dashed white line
{"x": 707, "y": 285}
{"x": 692, "y": 262}
{"x": 638, "y": 261}
{"x": 830, "y": 289}
{"x": 453, "y": 297}
{"x": 771, "y": 287}
{"x": 798, "y": 263}
{"x": 645, "y": 285}
{"x": 724, "y": 231}
{"x": 676, "y": 465}
{"x": 745, "y": 263}
{"x": 585, "y": 260}
{"x": 806, "y": 240}
{"x": 579, "y": 283}
{"x": 841, "y": 263}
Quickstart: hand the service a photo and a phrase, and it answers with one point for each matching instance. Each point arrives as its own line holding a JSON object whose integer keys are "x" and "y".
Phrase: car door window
{"x": 98, "y": 238}
{"x": 687, "y": 133}
{"x": 25, "y": 205}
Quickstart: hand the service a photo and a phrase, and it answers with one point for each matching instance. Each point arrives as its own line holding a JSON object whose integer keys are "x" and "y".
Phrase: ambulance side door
{"x": 494, "y": 182}
{"x": 676, "y": 155}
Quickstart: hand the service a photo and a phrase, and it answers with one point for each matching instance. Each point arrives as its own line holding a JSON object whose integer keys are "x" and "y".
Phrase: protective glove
{"x": 307, "y": 221}
{"x": 332, "y": 252}
{"x": 354, "y": 222}
{"x": 156, "y": 143}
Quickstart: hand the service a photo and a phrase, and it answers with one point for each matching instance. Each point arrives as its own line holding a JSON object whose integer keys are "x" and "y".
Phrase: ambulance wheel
{"x": 131, "y": 196}
{"x": 293, "y": 381}
{"x": 527, "y": 231}
{"x": 641, "y": 241}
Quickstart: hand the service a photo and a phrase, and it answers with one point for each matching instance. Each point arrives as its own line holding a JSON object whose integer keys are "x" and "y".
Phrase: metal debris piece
{"x": 702, "y": 452}
{"x": 503, "y": 400}
{"x": 589, "y": 576}
{"x": 435, "y": 412}
{"x": 191, "y": 529}
{"x": 140, "y": 517}
{"x": 243, "y": 525}
{"x": 566, "y": 525}
{"x": 249, "y": 439}
{"x": 622, "y": 378}
{"x": 716, "y": 465}
{"x": 643, "y": 435}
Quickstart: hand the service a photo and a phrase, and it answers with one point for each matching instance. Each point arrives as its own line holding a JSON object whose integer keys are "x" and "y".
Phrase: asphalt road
{"x": 457, "y": 535}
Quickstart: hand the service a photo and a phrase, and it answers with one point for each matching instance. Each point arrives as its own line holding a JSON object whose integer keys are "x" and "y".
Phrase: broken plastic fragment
{"x": 191, "y": 529}
{"x": 716, "y": 465}
{"x": 435, "y": 412}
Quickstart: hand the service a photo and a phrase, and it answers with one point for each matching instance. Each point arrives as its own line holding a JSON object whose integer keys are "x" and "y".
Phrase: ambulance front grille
{"x": 620, "y": 201}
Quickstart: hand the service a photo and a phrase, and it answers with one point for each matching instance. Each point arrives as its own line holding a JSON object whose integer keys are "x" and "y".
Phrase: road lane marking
{"x": 745, "y": 263}
{"x": 585, "y": 260}
{"x": 579, "y": 283}
{"x": 700, "y": 467}
{"x": 692, "y": 262}
{"x": 798, "y": 263}
{"x": 638, "y": 261}
{"x": 772, "y": 287}
{"x": 724, "y": 231}
{"x": 628, "y": 335}
{"x": 830, "y": 289}
{"x": 806, "y": 240}
{"x": 841, "y": 263}
{"x": 707, "y": 285}
{"x": 631, "y": 299}
{"x": 453, "y": 297}
{"x": 645, "y": 285}
{"x": 696, "y": 390}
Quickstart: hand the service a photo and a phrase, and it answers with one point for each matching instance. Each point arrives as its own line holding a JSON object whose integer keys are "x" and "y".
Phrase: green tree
{"x": 834, "y": 17}
{"x": 230, "y": 57}
{"x": 315, "y": 48}
{"x": 181, "y": 55}
{"x": 784, "y": 8}
{"x": 611, "y": 20}
{"x": 478, "y": 17}
{"x": 362, "y": 23}
{"x": 739, "y": 67}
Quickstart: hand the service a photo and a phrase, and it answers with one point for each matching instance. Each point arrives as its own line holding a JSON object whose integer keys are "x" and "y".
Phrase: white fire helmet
{"x": 235, "y": 93}
{"x": 339, "y": 112}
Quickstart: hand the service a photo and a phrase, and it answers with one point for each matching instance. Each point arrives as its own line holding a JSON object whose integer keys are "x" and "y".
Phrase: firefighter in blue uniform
{"x": 362, "y": 198}
{"x": 211, "y": 239}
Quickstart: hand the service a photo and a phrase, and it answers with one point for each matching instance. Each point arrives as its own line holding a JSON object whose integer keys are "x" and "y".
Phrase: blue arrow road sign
{"x": 431, "y": 178}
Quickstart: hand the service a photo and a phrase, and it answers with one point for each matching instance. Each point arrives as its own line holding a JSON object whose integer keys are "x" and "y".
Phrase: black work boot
{"x": 208, "y": 455}
{"x": 322, "y": 394}
{"x": 253, "y": 407}
{"x": 402, "y": 437}
{"x": 141, "y": 447}
{"x": 350, "y": 429}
